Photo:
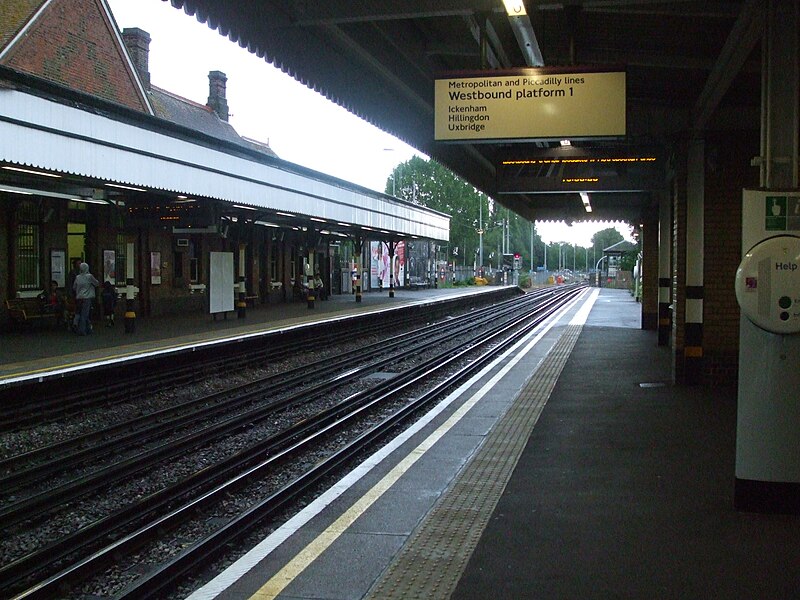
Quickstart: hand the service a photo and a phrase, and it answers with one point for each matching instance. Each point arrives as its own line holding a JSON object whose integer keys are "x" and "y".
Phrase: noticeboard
{"x": 221, "y": 280}
{"x": 529, "y": 104}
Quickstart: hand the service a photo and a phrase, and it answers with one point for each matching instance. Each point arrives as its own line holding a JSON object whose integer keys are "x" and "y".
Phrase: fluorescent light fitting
{"x": 267, "y": 224}
{"x": 586, "y": 204}
{"x": 515, "y": 8}
{"x": 125, "y": 187}
{"x": 318, "y": 220}
{"x": 32, "y": 172}
{"x": 243, "y": 207}
{"x": 284, "y": 214}
{"x": 565, "y": 143}
{"x": 30, "y": 192}
{"x": 89, "y": 200}
{"x": 343, "y": 224}
{"x": 15, "y": 191}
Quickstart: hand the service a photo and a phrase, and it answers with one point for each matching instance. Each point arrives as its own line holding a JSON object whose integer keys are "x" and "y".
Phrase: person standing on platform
{"x": 84, "y": 287}
{"x": 70, "y": 304}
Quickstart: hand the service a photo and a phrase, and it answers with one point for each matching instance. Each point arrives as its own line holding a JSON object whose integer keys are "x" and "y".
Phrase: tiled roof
{"x": 190, "y": 114}
{"x": 13, "y": 16}
{"x": 199, "y": 117}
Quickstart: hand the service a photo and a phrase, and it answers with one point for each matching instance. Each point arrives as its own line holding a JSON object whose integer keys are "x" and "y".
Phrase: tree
{"x": 605, "y": 238}
{"x": 428, "y": 183}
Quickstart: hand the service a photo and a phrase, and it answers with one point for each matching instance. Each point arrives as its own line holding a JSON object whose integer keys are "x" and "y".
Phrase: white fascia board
{"x": 41, "y": 133}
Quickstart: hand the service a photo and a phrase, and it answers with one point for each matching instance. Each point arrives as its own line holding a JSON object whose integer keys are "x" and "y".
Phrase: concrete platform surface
{"x": 625, "y": 488}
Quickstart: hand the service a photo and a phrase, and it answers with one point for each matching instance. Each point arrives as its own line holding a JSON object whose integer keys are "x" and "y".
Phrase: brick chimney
{"x": 138, "y": 43}
{"x": 216, "y": 94}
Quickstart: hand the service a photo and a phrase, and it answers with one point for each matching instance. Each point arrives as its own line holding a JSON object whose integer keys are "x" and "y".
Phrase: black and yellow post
{"x": 358, "y": 245}
{"x": 241, "y": 301}
{"x": 358, "y": 284}
{"x": 693, "y": 336}
{"x": 391, "y": 245}
{"x": 130, "y": 291}
{"x": 310, "y": 292}
{"x": 664, "y": 311}
{"x": 130, "y": 313}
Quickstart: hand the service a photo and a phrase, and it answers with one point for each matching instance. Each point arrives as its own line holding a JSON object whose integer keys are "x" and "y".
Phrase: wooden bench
{"x": 26, "y": 311}
{"x": 416, "y": 283}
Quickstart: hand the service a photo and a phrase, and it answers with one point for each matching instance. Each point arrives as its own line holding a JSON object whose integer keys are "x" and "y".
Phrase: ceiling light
{"x": 565, "y": 143}
{"x": 318, "y": 220}
{"x": 32, "y": 172}
{"x": 267, "y": 224}
{"x": 284, "y": 214}
{"x": 243, "y": 207}
{"x": 515, "y": 8}
{"x": 49, "y": 194}
{"x": 586, "y": 204}
{"x": 16, "y": 191}
{"x": 125, "y": 187}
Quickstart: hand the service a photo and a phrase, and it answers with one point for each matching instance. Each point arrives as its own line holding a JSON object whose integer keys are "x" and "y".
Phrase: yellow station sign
{"x": 529, "y": 104}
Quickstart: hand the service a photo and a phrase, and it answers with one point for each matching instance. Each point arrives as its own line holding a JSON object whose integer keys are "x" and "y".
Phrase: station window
{"x": 28, "y": 255}
{"x": 273, "y": 262}
{"x": 120, "y": 265}
{"x": 195, "y": 267}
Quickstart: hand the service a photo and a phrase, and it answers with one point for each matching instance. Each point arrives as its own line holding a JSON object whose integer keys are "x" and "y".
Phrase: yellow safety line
{"x": 278, "y": 582}
{"x": 177, "y": 346}
{"x": 312, "y": 551}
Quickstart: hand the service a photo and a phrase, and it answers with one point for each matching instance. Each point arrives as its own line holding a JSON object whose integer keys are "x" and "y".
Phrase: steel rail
{"x": 58, "y": 402}
{"x": 158, "y": 581}
{"x": 52, "y": 498}
{"x": 70, "y": 453}
{"x": 140, "y": 536}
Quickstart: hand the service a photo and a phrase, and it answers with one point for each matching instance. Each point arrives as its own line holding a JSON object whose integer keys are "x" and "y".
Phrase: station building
{"x": 98, "y": 164}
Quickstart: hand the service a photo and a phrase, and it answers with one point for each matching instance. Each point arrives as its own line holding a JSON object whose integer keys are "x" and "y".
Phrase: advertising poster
{"x": 109, "y": 266}
{"x": 380, "y": 267}
{"x": 155, "y": 268}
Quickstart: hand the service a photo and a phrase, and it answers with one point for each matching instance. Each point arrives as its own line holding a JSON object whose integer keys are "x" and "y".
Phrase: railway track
{"x": 40, "y": 402}
{"x": 63, "y": 562}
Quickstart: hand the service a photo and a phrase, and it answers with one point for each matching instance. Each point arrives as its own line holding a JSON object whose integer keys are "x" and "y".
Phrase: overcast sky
{"x": 299, "y": 124}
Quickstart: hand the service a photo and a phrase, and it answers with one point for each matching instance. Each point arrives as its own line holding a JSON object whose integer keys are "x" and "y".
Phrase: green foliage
{"x": 605, "y": 238}
{"x": 428, "y": 183}
{"x": 628, "y": 260}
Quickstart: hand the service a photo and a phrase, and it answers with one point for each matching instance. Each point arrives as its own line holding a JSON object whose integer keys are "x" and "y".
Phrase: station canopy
{"x": 687, "y": 68}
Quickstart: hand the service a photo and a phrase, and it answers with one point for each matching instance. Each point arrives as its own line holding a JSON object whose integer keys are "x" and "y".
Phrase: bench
{"x": 416, "y": 283}
{"x": 25, "y": 311}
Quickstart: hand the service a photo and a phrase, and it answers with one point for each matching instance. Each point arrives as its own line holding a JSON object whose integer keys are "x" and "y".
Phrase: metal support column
{"x": 391, "y": 245}
{"x": 130, "y": 290}
{"x": 241, "y": 302}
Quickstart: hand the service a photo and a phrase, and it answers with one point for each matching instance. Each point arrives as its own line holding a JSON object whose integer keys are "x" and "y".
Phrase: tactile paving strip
{"x": 430, "y": 564}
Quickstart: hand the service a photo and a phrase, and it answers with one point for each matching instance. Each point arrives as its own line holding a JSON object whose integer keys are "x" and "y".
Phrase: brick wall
{"x": 73, "y": 43}
{"x": 727, "y": 171}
